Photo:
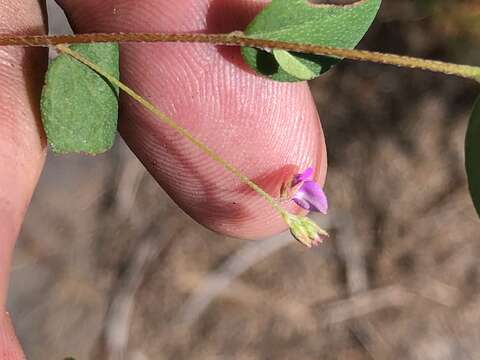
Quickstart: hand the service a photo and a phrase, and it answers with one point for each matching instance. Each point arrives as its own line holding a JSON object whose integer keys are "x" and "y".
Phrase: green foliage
{"x": 472, "y": 155}
{"x": 304, "y": 22}
{"x": 79, "y": 107}
{"x": 292, "y": 65}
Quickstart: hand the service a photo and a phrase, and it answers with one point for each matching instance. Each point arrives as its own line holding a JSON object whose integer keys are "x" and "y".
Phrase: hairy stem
{"x": 238, "y": 39}
{"x": 179, "y": 129}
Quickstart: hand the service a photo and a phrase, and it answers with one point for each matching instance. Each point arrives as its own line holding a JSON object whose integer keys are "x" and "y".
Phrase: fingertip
{"x": 22, "y": 142}
{"x": 9, "y": 346}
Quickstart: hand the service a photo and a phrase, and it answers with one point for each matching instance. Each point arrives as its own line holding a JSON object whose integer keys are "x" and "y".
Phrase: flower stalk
{"x": 303, "y": 229}
{"x": 172, "y": 124}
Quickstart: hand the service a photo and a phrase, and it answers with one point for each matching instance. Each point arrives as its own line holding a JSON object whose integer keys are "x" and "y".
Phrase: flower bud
{"x": 305, "y": 230}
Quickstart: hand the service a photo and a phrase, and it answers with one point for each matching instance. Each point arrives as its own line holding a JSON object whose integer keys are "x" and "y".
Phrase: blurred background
{"x": 107, "y": 267}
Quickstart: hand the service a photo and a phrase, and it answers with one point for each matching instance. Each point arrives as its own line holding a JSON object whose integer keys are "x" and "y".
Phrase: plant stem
{"x": 238, "y": 39}
{"x": 172, "y": 124}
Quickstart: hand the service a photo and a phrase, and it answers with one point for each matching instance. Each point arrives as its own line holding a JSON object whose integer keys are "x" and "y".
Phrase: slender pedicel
{"x": 302, "y": 228}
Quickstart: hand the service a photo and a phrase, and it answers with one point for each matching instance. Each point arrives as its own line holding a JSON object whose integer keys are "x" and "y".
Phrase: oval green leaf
{"x": 303, "y": 22}
{"x": 293, "y": 65}
{"x": 79, "y": 107}
{"x": 472, "y": 155}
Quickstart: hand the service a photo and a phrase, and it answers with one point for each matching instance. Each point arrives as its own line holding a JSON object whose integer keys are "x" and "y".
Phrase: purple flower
{"x": 309, "y": 195}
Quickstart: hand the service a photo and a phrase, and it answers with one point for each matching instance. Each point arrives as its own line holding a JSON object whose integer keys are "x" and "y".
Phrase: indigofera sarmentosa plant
{"x": 289, "y": 41}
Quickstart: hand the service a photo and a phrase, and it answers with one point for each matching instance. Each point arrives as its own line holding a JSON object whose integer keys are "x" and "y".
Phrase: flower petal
{"x": 306, "y": 175}
{"x": 311, "y": 197}
{"x": 301, "y": 202}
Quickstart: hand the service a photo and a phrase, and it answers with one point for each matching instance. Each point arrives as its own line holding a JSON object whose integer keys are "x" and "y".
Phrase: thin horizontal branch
{"x": 238, "y": 39}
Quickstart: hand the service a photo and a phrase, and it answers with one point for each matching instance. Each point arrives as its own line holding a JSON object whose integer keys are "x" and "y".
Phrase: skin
{"x": 268, "y": 130}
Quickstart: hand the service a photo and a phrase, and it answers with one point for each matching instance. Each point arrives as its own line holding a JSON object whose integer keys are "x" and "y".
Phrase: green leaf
{"x": 293, "y": 65}
{"x": 79, "y": 107}
{"x": 472, "y": 155}
{"x": 302, "y": 21}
